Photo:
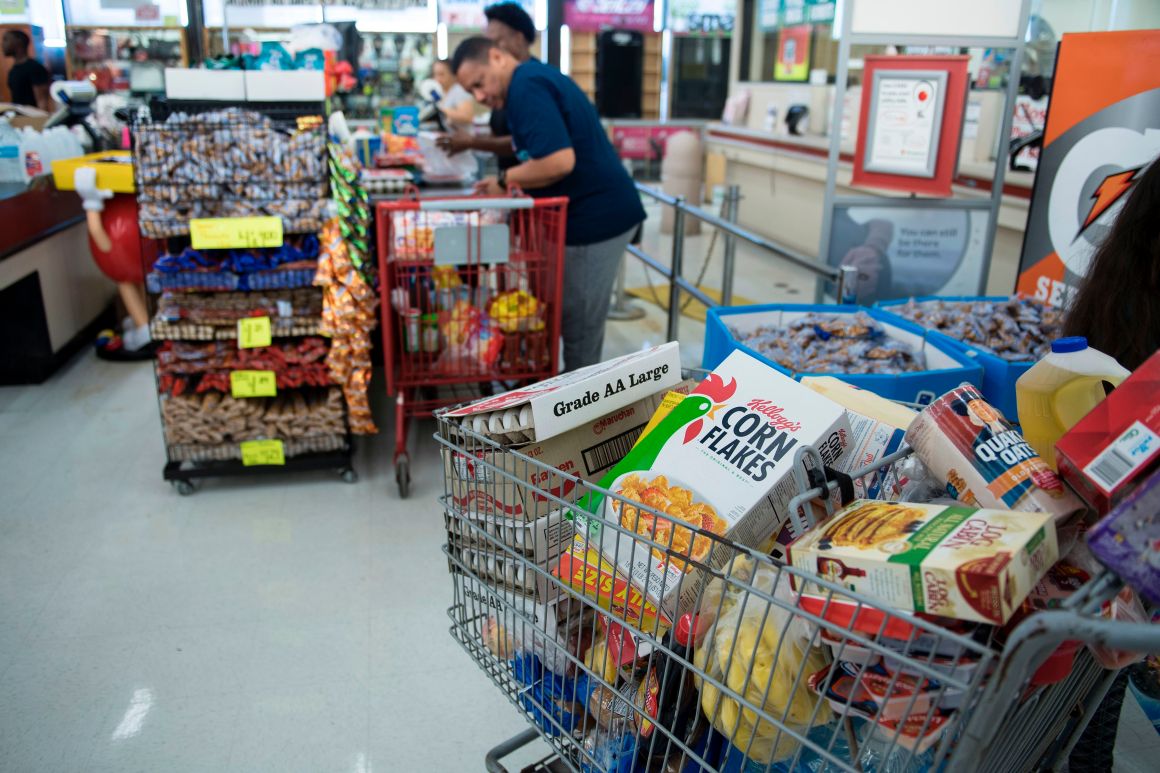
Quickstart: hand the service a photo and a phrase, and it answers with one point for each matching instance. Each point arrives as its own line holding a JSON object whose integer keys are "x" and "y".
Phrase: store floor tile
{"x": 273, "y": 624}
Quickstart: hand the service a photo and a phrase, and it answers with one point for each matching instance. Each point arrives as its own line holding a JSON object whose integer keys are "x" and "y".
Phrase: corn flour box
{"x": 954, "y": 561}
{"x": 719, "y": 462}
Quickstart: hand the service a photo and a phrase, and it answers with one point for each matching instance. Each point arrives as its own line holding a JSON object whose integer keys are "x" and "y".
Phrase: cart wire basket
{"x": 773, "y": 669}
{"x": 471, "y": 296}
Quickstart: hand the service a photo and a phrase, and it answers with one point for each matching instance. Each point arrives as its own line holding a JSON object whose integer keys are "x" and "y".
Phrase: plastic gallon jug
{"x": 1061, "y": 389}
{"x": 11, "y": 162}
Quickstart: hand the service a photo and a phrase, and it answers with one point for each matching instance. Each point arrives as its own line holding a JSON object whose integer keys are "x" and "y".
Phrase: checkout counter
{"x": 783, "y": 176}
{"x": 53, "y": 298}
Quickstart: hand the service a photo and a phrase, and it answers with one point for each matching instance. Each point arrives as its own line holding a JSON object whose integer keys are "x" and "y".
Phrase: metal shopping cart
{"x": 471, "y": 296}
{"x": 760, "y": 678}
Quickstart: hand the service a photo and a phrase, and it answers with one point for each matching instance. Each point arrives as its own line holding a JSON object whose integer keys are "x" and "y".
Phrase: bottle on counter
{"x": 11, "y": 157}
{"x": 1061, "y": 389}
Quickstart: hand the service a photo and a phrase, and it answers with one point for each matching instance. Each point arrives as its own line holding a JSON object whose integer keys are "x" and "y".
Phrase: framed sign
{"x": 904, "y": 121}
{"x": 596, "y": 15}
{"x": 911, "y": 121}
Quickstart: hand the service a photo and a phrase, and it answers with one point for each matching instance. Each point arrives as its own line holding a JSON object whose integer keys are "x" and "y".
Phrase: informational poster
{"x": 702, "y": 17}
{"x": 776, "y": 14}
{"x": 125, "y": 13}
{"x": 793, "y": 54}
{"x": 910, "y": 122}
{"x": 13, "y": 7}
{"x": 595, "y": 15}
{"x": 467, "y": 15}
{"x": 904, "y": 121}
{"x": 1103, "y": 129}
{"x": 915, "y": 248}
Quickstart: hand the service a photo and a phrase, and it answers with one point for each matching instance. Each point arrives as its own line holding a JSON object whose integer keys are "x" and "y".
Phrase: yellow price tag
{"x": 253, "y": 383}
{"x": 262, "y": 452}
{"x": 254, "y": 332}
{"x": 227, "y": 233}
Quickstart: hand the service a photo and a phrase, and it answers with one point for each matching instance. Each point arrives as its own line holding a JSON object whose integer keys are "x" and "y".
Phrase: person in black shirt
{"x": 28, "y": 79}
{"x": 510, "y": 27}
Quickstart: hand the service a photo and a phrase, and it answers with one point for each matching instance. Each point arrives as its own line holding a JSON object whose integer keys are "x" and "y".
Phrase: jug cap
{"x": 1069, "y": 344}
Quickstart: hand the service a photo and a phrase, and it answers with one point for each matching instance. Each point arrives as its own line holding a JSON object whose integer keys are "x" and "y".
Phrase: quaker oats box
{"x": 952, "y": 561}
{"x": 718, "y": 463}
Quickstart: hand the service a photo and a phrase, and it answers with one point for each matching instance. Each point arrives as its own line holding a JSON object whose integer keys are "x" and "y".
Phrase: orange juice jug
{"x": 1061, "y": 389}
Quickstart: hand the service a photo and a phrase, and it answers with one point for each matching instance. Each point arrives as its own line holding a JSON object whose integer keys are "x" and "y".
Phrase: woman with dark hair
{"x": 1117, "y": 307}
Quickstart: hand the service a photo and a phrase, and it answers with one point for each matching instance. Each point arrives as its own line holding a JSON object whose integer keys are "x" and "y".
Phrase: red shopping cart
{"x": 471, "y": 296}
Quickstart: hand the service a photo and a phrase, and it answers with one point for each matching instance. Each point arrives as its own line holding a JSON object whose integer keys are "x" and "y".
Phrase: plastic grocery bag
{"x": 438, "y": 164}
{"x": 741, "y": 650}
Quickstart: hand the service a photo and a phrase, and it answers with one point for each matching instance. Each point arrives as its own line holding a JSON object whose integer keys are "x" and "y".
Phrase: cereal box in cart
{"x": 720, "y": 462}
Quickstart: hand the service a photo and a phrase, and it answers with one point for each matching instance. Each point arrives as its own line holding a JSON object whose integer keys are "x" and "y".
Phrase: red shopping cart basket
{"x": 471, "y": 296}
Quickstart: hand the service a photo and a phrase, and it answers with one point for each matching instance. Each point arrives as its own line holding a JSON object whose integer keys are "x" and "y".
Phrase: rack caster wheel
{"x": 403, "y": 476}
{"x": 184, "y": 487}
{"x": 349, "y": 476}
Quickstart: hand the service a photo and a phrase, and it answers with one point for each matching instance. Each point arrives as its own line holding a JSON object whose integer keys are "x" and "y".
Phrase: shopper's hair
{"x": 1116, "y": 307}
{"x": 21, "y": 37}
{"x": 474, "y": 49}
{"x": 512, "y": 15}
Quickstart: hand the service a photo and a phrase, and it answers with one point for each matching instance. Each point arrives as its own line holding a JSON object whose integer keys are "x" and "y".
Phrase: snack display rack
{"x": 471, "y": 296}
{"x": 231, "y": 404}
{"x": 924, "y": 696}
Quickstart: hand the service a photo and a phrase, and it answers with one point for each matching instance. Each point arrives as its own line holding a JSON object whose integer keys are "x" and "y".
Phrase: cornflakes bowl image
{"x": 683, "y": 507}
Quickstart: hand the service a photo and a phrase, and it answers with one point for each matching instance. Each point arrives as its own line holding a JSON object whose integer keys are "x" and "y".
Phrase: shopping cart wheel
{"x": 403, "y": 476}
{"x": 184, "y": 487}
{"x": 349, "y": 475}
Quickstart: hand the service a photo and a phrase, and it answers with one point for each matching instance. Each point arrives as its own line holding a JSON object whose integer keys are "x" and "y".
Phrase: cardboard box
{"x": 951, "y": 561}
{"x": 503, "y": 483}
{"x": 509, "y": 550}
{"x": 1116, "y": 445}
{"x": 583, "y": 569}
{"x": 720, "y": 461}
{"x": 571, "y": 400}
{"x": 1125, "y": 541}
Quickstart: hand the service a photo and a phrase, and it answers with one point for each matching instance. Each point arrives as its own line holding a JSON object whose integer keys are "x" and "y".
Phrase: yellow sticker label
{"x": 254, "y": 332}
{"x": 227, "y": 233}
{"x": 253, "y": 383}
{"x": 267, "y": 452}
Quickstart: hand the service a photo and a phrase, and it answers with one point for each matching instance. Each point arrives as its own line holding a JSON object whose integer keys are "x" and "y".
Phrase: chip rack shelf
{"x": 1003, "y": 718}
{"x": 218, "y": 160}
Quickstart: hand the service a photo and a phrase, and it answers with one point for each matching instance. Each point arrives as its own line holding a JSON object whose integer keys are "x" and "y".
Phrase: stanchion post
{"x": 847, "y": 287}
{"x": 732, "y": 205}
{"x": 677, "y": 269}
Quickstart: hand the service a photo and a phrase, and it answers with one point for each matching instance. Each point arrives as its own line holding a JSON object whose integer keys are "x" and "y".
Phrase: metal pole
{"x": 621, "y": 309}
{"x": 732, "y": 205}
{"x": 846, "y": 290}
{"x": 678, "y": 259}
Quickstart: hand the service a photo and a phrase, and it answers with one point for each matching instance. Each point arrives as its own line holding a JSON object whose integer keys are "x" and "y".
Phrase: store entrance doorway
{"x": 701, "y": 76}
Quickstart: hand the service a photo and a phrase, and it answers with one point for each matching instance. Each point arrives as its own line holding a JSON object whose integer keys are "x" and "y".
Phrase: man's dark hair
{"x": 474, "y": 49}
{"x": 513, "y": 16}
{"x": 21, "y": 37}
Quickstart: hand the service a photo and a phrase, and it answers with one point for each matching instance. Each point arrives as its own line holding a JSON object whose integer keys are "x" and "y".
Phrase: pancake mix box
{"x": 719, "y": 463}
{"x": 952, "y": 561}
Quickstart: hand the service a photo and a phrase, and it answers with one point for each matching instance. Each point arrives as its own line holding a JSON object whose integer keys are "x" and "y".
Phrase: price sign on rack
{"x": 262, "y": 452}
{"x": 254, "y": 332}
{"x": 228, "y": 233}
{"x": 253, "y": 383}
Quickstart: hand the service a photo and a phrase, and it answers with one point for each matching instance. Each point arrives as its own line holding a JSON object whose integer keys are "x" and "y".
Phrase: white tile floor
{"x": 261, "y": 625}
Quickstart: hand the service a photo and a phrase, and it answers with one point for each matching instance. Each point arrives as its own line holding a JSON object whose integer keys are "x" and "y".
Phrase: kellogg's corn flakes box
{"x": 718, "y": 463}
{"x": 953, "y": 561}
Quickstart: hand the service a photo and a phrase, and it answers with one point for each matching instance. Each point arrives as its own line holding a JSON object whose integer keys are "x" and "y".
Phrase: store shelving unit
{"x": 223, "y": 315}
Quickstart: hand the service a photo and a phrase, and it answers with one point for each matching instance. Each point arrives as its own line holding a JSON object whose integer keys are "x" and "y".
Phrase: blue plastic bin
{"x": 999, "y": 375}
{"x": 949, "y": 365}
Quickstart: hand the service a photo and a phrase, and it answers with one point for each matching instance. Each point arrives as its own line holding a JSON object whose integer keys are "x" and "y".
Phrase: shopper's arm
{"x": 43, "y": 98}
{"x": 460, "y": 141}
{"x": 542, "y": 172}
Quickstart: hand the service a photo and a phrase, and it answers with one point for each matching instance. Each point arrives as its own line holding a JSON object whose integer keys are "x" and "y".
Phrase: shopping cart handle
{"x": 470, "y": 204}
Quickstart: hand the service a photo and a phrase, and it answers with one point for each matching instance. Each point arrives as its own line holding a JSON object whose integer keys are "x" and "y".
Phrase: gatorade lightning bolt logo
{"x": 1108, "y": 193}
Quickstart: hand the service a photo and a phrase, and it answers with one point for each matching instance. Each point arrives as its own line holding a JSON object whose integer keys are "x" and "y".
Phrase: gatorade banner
{"x": 1103, "y": 129}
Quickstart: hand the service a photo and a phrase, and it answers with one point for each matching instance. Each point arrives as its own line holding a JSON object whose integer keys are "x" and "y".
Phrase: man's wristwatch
{"x": 501, "y": 178}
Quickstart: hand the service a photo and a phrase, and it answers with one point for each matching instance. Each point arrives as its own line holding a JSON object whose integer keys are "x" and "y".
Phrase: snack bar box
{"x": 999, "y": 375}
{"x": 948, "y": 366}
{"x": 953, "y": 561}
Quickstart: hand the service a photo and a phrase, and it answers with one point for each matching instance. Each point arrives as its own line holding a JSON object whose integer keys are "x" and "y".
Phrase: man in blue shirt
{"x": 564, "y": 151}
